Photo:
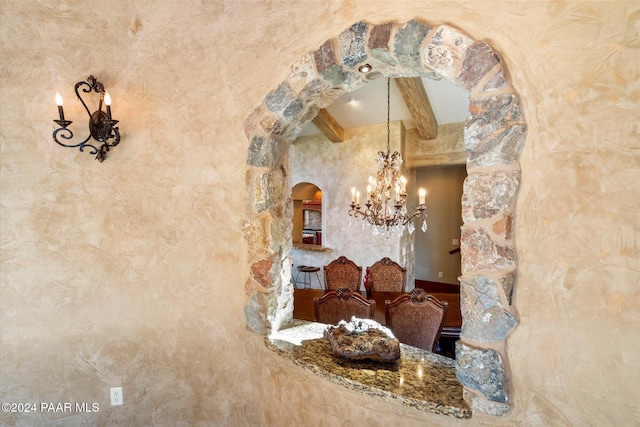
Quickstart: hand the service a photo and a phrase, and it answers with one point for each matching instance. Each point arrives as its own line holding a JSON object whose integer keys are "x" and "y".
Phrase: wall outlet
{"x": 117, "y": 398}
{"x": 455, "y": 242}
{"x": 440, "y": 275}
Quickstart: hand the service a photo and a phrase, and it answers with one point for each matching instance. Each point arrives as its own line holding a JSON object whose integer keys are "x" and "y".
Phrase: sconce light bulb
{"x": 107, "y": 98}
{"x": 58, "y": 99}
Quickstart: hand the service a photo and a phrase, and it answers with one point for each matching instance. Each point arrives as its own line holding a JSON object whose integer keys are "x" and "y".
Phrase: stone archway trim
{"x": 495, "y": 131}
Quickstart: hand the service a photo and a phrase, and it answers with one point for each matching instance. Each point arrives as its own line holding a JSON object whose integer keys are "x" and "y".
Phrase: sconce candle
{"x": 107, "y": 102}
{"x": 59, "y": 102}
{"x": 422, "y": 193}
{"x": 102, "y": 127}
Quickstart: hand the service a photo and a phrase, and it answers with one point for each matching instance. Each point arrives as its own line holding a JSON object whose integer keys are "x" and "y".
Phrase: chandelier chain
{"x": 388, "y": 115}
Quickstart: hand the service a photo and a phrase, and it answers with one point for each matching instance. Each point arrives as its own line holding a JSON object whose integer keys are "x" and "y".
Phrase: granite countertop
{"x": 420, "y": 379}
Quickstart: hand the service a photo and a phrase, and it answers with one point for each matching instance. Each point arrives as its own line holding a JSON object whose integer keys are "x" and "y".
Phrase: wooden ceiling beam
{"x": 417, "y": 101}
{"x": 329, "y": 126}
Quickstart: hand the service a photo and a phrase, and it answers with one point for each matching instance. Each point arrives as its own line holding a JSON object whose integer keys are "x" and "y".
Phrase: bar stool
{"x": 306, "y": 275}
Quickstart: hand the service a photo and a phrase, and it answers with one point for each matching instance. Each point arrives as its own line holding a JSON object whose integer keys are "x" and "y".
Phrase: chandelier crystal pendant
{"x": 385, "y": 211}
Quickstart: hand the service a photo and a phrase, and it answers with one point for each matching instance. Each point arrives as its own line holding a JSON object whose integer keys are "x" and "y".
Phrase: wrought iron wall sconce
{"x": 101, "y": 124}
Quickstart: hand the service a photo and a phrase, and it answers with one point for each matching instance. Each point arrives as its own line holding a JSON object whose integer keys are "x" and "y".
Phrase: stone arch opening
{"x": 495, "y": 131}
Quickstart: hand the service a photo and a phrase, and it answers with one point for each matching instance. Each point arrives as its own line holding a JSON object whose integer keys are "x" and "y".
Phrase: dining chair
{"x": 387, "y": 276}
{"x": 416, "y": 318}
{"x": 342, "y": 304}
{"x": 342, "y": 273}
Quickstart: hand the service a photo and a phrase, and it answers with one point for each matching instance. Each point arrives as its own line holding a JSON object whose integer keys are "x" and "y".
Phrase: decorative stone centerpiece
{"x": 363, "y": 339}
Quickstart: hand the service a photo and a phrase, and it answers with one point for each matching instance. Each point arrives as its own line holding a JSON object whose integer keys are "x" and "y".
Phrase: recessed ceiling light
{"x": 365, "y": 68}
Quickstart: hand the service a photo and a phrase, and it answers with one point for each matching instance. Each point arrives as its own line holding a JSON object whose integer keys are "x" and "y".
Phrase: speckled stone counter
{"x": 420, "y": 379}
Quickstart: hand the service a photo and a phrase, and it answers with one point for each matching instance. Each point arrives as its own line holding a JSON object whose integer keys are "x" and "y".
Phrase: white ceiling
{"x": 368, "y": 105}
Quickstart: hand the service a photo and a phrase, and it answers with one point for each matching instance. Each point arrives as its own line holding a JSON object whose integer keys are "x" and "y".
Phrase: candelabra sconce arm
{"x": 102, "y": 127}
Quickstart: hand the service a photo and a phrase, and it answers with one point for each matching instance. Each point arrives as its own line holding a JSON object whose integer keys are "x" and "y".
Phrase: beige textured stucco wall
{"x": 131, "y": 272}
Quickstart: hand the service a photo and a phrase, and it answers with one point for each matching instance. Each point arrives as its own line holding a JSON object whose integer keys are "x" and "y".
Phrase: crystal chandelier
{"x": 385, "y": 211}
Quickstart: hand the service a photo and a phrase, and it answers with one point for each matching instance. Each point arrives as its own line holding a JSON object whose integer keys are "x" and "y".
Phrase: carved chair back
{"x": 342, "y": 273}
{"x": 416, "y": 319}
{"x": 387, "y": 276}
{"x": 334, "y": 306}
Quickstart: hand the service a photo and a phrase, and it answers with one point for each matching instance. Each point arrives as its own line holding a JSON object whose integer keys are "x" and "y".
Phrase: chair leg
{"x": 298, "y": 277}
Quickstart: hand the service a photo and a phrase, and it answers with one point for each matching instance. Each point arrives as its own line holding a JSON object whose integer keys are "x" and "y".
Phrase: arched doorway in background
{"x": 308, "y": 214}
